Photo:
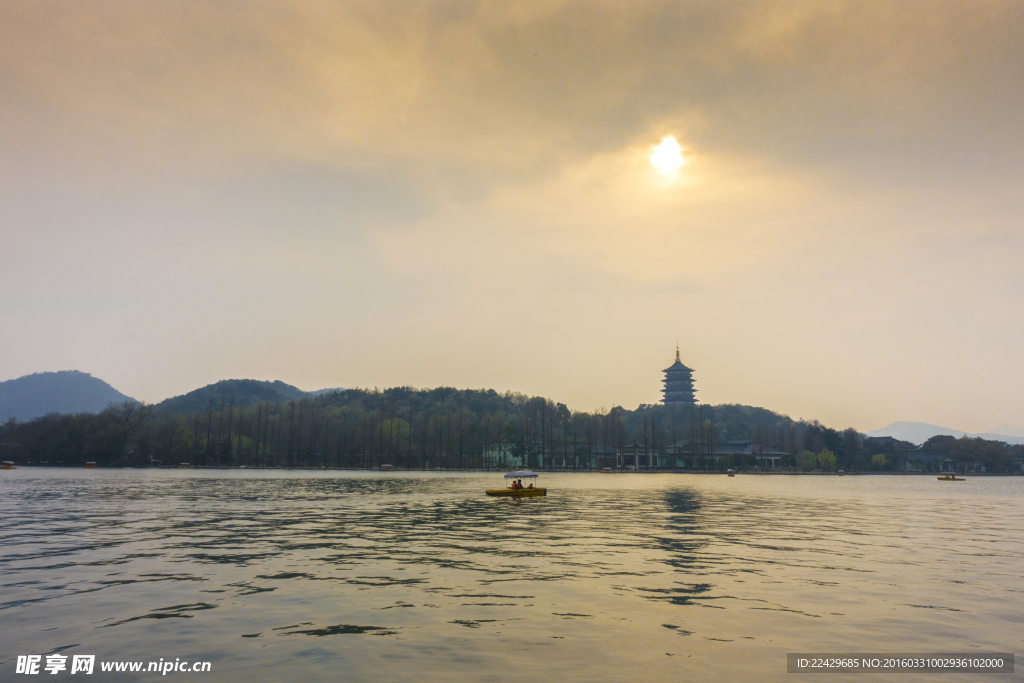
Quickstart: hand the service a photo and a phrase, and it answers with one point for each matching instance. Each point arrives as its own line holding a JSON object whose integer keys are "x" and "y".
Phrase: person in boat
{"x": 530, "y": 486}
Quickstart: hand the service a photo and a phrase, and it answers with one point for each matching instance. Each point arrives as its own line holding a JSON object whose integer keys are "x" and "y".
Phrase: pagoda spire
{"x": 677, "y": 352}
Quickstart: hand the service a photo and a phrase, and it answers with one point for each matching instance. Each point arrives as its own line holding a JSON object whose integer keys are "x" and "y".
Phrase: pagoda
{"x": 678, "y": 384}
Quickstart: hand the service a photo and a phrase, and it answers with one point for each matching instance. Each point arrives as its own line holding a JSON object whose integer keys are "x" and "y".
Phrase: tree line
{"x": 442, "y": 428}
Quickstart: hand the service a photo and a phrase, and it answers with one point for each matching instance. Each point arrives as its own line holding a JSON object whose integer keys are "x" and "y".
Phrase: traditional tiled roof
{"x": 677, "y": 366}
{"x": 736, "y": 447}
{"x": 928, "y": 456}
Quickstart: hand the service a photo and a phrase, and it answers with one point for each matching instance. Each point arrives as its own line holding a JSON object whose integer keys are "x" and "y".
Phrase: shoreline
{"x": 543, "y": 471}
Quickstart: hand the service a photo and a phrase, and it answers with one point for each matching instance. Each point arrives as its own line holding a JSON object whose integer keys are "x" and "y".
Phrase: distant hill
{"x": 1009, "y": 430}
{"x": 919, "y": 432}
{"x": 245, "y": 392}
{"x": 321, "y": 392}
{"x": 68, "y": 391}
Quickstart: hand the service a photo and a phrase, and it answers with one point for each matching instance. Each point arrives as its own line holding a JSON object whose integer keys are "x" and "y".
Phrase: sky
{"x": 461, "y": 194}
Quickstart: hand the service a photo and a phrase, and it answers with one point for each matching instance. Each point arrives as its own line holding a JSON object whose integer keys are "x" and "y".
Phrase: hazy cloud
{"x": 458, "y": 193}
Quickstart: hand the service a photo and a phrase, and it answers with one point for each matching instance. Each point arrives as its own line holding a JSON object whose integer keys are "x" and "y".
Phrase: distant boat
{"x": 731, "y": 473}
{"x": 607, "y": 470}
{"x": 518, "y": 493}
{"x": 7, "y": 465}
{"x": 386, "y": 468}
{"x": 841, "y": 473}
{"x": 90, "y": 465}
{"x": 951, "y": 477}
{"x": 184, "y": 466}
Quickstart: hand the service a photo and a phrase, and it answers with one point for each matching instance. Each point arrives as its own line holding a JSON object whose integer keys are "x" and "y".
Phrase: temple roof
{"x": 675, "y": 367}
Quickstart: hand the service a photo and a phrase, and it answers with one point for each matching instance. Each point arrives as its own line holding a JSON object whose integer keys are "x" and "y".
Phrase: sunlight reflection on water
{"x": 370, "y": 576}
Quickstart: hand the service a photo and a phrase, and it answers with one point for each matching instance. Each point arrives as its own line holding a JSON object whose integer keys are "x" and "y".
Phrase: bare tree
{"x": 128, "y": 417}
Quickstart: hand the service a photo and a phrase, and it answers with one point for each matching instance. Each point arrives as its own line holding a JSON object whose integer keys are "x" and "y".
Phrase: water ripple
{"x": 584, "y": 582}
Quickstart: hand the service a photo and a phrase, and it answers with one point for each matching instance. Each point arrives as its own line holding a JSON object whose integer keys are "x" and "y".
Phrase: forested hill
{"x": 271, "y": 424}
{"x": 68, "y": 391}
{"x": 240, "y": 392}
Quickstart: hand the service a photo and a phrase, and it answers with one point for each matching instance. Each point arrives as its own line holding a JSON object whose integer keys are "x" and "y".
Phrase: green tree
{"x": 807, "y": 460}
{"x": 827, "y": 460}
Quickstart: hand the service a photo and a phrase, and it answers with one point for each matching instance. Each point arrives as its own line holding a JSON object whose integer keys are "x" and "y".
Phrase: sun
{"x": 668, "y": 156}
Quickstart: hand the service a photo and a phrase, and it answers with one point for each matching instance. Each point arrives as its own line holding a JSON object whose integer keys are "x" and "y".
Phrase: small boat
{"x": 841, "y": 473}
{"x": 184, "y": 466}
{"x": 731, "y": 473}
{"x": 607, "y": 470}
{"x": 386, "y": 468}
{"x": 518, "y": 493}
{"x": 90, "y": 465}
{"x": 951, "y": 477}
{"x": 7, "y": 465}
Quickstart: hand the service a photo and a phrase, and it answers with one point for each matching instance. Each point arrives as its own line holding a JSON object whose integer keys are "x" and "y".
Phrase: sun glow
{"x": 668, "y": 156}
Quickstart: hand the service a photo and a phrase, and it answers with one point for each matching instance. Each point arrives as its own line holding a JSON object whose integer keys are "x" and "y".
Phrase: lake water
{"x": 367, "y": 576}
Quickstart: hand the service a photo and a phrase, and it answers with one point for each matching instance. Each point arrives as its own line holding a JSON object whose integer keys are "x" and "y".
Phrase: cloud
{"x": 383, "y": 192}
{"x": 510, "y": 88}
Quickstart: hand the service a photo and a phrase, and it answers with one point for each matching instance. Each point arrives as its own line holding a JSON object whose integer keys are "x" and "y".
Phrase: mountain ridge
{"x": 65, "y": 391}
{"x": 240, "y": 391}
{"x": 72, "y": 391}
{"x": 919, "y": 432}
